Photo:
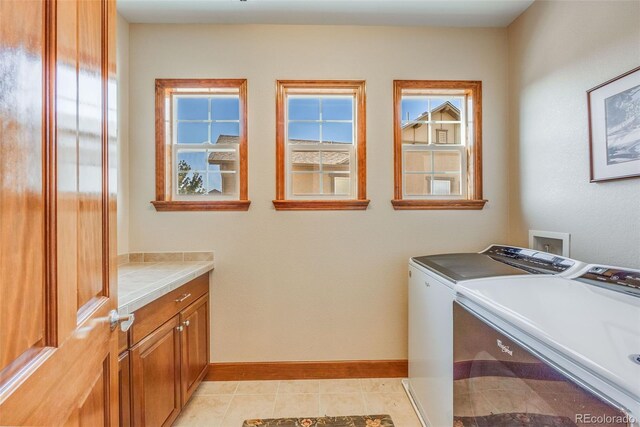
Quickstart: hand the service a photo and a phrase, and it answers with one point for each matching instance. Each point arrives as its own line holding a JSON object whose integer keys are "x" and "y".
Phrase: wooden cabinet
{"x": 168, "y": 355}
{"x": 195, "y": 346}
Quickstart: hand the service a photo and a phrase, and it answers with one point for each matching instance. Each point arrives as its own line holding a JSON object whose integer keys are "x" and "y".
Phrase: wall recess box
{"x": 550, "y": 241}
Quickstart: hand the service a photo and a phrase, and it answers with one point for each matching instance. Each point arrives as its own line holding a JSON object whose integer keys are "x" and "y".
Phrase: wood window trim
{"x": 163, "y": 201}
{"x": 356, "y": 87}
{"x": 475, "y": 200}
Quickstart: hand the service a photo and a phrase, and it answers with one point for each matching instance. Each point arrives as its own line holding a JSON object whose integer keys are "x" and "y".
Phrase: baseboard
{"x": 244, "y": 371}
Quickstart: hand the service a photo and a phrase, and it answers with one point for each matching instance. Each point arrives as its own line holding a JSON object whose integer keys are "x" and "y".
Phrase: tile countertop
{"x": 140, "y": 283}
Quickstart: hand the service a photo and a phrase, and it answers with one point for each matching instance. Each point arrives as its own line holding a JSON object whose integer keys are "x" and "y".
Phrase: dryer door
{"x": 497, "y": 382}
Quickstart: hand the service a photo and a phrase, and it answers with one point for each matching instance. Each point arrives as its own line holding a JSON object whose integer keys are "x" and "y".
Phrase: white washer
{"x": 586, "y": 327}
{"x": 431, "y": 293}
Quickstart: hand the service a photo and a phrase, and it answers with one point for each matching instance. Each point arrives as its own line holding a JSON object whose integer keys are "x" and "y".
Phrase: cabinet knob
{"x": 180, "y": 328}
{"x": 186, "y": 323}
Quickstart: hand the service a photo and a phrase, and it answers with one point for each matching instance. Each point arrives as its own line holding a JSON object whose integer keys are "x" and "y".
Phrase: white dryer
{"x": 431, "y": 293}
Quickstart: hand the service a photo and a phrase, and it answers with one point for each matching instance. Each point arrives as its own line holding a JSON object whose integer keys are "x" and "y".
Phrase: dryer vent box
{"x": 550, "y": 241}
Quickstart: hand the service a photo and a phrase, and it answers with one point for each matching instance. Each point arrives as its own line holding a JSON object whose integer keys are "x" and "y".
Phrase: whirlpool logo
{"x": 504, "y": 348}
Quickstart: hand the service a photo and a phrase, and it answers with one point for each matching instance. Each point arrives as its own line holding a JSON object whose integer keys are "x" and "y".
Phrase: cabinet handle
{"x": 183, "y": 297}
{"x": 180, "y": 328}
{"x": 186, "y": 323}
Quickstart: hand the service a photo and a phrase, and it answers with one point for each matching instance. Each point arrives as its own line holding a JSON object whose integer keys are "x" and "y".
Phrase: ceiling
{"x": 441, "y": 13}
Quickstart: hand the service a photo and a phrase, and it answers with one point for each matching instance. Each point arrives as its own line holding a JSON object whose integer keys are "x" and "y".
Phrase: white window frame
{"x": 207, "y": 146}
{"x": 434, "y": 147}
{"x": 320, "y": 148}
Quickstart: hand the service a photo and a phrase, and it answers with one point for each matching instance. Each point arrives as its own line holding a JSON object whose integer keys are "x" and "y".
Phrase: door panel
{"x": 58, "y": 211}
{"x": 90, "y": 173}
{"x": 22, "y": 325}
{"x": 155, "y": 376}
{"x": 195, "y": 346}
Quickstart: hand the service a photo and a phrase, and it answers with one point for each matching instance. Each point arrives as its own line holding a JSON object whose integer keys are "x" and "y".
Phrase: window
{"x": 438, "y": 144}
{"x": 320, "y": 145}
{"x": 201, "y": 145}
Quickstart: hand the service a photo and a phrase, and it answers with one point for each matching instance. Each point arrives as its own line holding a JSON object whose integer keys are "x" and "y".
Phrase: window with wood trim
{"x": 320, "y": 145}
{"x": 438, "y": 144}
{"x": 201, "y": 144}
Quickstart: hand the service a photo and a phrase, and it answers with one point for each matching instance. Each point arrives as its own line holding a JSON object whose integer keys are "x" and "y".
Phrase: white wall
{"x": 122, "y": 76}
{"x": 314, "y": 285}
{"x": 557, "y": 51}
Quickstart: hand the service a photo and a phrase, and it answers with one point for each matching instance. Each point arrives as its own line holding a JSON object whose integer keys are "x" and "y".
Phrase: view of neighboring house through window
{"x": 321, "y": 142}
{"x": 201, "y": 145}
{"x": 438, "y": 144}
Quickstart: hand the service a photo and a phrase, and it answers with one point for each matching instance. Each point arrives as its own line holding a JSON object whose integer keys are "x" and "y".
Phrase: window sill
{"x": 320, "y": 205}
{"x": 400, "y": 204}
{"x": 218, "y": 205}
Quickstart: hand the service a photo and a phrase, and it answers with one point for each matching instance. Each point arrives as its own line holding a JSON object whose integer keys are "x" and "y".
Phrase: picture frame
{"x": 614, "y": 128}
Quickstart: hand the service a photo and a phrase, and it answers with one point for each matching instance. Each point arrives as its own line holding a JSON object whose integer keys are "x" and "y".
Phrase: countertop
{"x": 140, "y": 283}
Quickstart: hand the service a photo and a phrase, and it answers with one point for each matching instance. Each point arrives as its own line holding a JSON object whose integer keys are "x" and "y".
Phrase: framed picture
{"x": 614, "y": 127}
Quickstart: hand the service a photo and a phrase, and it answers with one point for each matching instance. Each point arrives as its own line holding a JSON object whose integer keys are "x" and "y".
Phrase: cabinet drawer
{"x": 123, "y": 340}
{"x": 152, "y": 316}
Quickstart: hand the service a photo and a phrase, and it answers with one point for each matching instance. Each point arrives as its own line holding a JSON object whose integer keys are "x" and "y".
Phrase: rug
{"x": 350, "y": 421}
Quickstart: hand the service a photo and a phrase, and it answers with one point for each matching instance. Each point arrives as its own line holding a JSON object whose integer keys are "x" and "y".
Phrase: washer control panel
{"x": 530, "y": 260}
{"x": 617, "y": 279}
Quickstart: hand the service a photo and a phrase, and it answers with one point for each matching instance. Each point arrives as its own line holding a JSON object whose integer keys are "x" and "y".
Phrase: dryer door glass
{"x": 499, "y": 383}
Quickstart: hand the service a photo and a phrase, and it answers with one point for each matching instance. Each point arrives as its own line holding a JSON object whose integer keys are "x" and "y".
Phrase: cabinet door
{"x": 155, "y": 376}
{"x": 195, "y": 345}
{"x": 124, "y": 381}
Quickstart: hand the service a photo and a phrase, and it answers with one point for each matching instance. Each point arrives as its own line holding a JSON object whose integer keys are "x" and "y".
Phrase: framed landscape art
{"x": 614, "y": 127}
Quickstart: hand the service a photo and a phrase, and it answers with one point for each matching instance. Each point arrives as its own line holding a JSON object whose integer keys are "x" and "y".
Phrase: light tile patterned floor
{"x": 228, "y": 403}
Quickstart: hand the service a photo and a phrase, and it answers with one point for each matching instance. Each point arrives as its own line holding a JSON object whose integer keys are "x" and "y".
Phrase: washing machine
{"x": 548, "y": 351}
{"x": 431, "y": 292}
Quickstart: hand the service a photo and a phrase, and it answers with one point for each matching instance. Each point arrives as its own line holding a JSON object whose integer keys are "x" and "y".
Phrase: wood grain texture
{"x": 226, "y": 205}
{"x": 164, "y": 193}
{"x": 72, "y": 169}
{"x": 474, "y": 201}
{"x": 320, "y": 205}
{"x": 357, "y": 88}
{"x": 124, "y": 388}
{"x": 155, "y": 377}
{"x": 90, "y": 152}
{"x": 194, "y": 346}
{"x": 245, "y": 371}
{"x": 22, "y": 179}
{"x": 151, "y": 316}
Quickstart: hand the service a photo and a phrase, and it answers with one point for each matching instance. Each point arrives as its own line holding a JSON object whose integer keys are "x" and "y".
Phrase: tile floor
{"x": 229, "y": 403}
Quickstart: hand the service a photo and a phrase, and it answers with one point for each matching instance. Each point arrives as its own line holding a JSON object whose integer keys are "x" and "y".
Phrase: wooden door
{"x": 194, "y": 346}
{"x": 155, "y": 376}
{"x": 58, "y": 354}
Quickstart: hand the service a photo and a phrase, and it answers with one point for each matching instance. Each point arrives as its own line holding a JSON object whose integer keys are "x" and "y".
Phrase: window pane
{"x": 192, "y": 108}
{"x": 225, "y": 133}
{"x": 305, "y": 183}
{"x": 337, "y": 109}
{"x": 189, "y": 160}
{"x": 224, "y": 108}
{"x": 413, "y": 108}
{"x": 336, "y": 183}
{"x": 191, "y": 183}
{"x": 304, "y": 131}
{"x": 417, "y": 184}
{"x": 192, "y": 133}
{"x": 337, "y": 132}
{"x": 336, "y": 161}
{"x": 446, "y": 161}
{"x": 305, "y": 161}
{"x": 445, "y": 184}
{"x": 222, "y": 183}
{"x": 222, "y": 160}
{"x": 415, "y": 133}
{"x": 304, "y": 108}
{"x": 417, "y": 161}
